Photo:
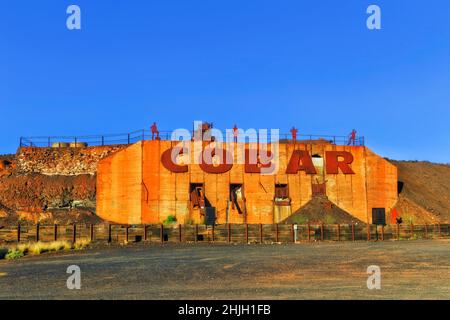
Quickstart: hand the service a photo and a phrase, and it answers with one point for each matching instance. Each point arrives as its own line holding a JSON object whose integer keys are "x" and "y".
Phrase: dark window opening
{"x": 400, "y": 185}
{"x": 282, "y": 195}
{"x": 236, "y": 196}
{"x": 281, "y": 191}
{"x": 197, "y": 195}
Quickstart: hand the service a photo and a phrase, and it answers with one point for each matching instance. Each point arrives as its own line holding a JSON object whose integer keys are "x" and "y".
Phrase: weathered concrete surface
{"x": 137, "y": 172}
{"x": 119, "y": 186}
{"x": 409, "y": 270}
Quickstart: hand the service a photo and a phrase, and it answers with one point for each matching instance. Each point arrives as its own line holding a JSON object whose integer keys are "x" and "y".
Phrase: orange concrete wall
{"x": 133, "y": 185}
{"x": 119, "y": 186}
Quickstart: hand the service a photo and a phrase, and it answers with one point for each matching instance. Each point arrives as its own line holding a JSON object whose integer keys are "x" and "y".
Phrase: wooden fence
{"x": 226, "y": 233}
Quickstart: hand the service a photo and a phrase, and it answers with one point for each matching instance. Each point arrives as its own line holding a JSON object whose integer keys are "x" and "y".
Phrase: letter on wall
{"x": 333, "y": 164}
{"x": 253, "y": 162}
{"x": 168, "y": 163}
{"x": 300, "y": 161}
{"x": 207, "y": 162}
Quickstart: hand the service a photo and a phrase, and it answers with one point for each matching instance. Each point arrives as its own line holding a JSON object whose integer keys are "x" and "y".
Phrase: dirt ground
{"x": 409, "y": 270}
{"x": 320, "y": 209}
{"x": 425, "y": 191}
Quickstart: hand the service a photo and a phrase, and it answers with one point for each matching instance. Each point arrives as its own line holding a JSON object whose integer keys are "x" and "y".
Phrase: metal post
{"x": 126, "y": 233}
{"x": 246, "y": 233}
{"x": 145, "y": 232}
{"x": 74, "y": 234}
{"x": 91, "y": 229}
{"x": 109, "y": 233}
{"x": 229, "y": 232}
{"x": 277, "y": 238}
{"x": 260, "y": 233}
{"x": 293, "y": 233}
{"x": 20, "y": 143}
{"x": 179, "y": 233}
{"x": 37, "y": 232}
{"x": 196, "y": 232}
{"x": 339, "y": 232}
{"x": 55, "y": 232}
{"x": 18, "y": 233}
{"x": 162, "y": 233}
{"x": 103, "y": 140}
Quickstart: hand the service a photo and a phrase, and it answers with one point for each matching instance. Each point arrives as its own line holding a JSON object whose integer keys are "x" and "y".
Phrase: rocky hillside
{"x": 424, "y": 191}
{"x": 50, "y": 185}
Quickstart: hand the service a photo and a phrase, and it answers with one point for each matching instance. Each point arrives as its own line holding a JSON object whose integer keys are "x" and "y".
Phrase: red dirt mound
{"x": 321, "y": 210}
{"x": 424, "y": 191}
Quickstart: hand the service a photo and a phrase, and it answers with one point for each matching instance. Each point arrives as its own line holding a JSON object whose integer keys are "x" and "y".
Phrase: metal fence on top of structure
{"x": 176, "y": 135}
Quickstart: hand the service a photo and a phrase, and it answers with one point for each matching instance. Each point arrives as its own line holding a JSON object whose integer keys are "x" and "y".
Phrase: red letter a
{"x": 300, "y": 161}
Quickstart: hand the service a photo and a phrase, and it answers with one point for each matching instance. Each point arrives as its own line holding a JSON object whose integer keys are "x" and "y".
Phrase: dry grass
{"x": 81, "y": 244}
{"x": 37, "y": 248}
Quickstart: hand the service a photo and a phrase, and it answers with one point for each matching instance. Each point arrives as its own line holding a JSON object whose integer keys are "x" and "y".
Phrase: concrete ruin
{"x": 135, "y": 186}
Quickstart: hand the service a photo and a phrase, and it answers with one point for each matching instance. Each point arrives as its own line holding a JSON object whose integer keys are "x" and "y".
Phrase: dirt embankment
{"x": 50, "y": 185}
{"x": 424, "y": 191}
{"x": 321, "y": 210}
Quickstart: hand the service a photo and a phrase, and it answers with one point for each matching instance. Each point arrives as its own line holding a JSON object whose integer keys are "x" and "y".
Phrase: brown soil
{"x": 424, "y": 191}
{"x": 45, "y": 198}
{"x": 320, "y": 209}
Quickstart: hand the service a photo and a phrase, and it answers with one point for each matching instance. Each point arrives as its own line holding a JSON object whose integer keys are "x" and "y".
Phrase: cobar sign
{"x": 335, "y": 162}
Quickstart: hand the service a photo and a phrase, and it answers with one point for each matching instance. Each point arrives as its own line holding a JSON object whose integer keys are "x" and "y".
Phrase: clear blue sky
{"x": 257, "y": 63}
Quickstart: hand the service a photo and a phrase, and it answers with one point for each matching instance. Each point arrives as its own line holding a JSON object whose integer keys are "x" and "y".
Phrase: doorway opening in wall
{"x": 318, "y": 183}
{"x": 197, "y": 196}
{"x": 237, "y": 197}
{"x": 282, "y": 195}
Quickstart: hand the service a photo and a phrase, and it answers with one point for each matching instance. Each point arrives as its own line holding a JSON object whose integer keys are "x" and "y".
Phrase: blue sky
{"x": 260, "y": 64}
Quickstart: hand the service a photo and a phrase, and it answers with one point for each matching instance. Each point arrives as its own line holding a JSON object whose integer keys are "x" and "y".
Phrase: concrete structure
{"x": 134, "y": 186}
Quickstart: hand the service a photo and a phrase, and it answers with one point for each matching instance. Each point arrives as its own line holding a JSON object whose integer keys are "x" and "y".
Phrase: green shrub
{"x": 14, "y": 254}
{"x": 170, "y": 219}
